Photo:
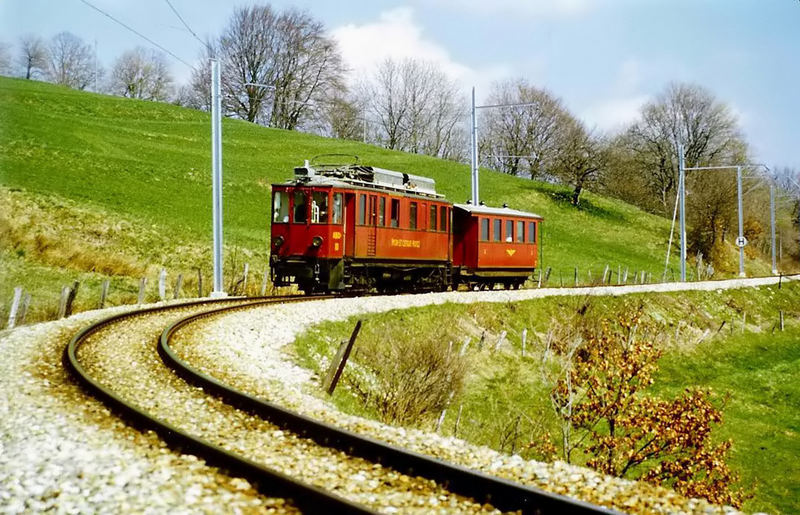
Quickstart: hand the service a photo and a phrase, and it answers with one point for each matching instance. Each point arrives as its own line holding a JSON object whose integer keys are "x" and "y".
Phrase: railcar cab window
{"x": 509, "y": 230}
{"x": 412, "y": 217}
{"x": 532, "y": 232}
{"x": 319, "y": 207}
{"x": 300, "y": 214}
{"x": 484, "y": 229}
{"x": 395, "y": 220}
{"x": 521, "y": 231}
{"x": 443, "y": 218}
{"x": 362, "y": 209}
{"x": 280, "y": 207}
{"x": 337, "y": 208}
{"x": 433, "y": 218}
{"x": 382, "y": 212}
{"x": 498, "y": 227}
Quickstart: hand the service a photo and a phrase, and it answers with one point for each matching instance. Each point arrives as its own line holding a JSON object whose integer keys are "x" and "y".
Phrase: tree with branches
{"x": 33, "y": 58}
{"x": 71, "y": 61}
{"x": 142, "y": 74}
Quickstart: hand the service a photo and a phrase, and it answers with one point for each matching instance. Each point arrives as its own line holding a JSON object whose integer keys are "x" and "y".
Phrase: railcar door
{"x": 372, "y": 222}
{"x": 349, "y": 224}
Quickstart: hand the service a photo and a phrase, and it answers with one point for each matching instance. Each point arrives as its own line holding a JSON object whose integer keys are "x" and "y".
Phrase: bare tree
{"x": 417, "y": 108}
{"x": 141, "y": 73}
{"x": 33, "y": 56}
{"x": 523, "y": 139}
{"x": 5, "y": 59}
{"x": 71, "y": 62}
{"x": 581, "y": 159}
{"x": 687, "y": 114}
{"x": 289, "y": 53}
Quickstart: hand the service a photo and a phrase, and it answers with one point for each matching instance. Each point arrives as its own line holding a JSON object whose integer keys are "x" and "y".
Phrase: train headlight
{"x": 316, "y": 241}
{"x": 277, "y": 241}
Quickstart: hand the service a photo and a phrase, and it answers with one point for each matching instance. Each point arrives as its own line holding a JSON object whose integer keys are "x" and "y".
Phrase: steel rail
{"x": 268, "y": 481}
{"x": 504, "y": 494}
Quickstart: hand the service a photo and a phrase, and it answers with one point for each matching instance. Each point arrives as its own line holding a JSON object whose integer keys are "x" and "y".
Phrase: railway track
{"x": 320, "y": 467}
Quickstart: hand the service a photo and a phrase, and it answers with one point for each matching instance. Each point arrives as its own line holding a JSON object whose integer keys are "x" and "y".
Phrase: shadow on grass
{"x": 564, "y": 199}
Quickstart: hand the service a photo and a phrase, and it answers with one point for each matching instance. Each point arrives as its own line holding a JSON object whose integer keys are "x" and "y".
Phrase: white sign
{"x": 741, "y": 241}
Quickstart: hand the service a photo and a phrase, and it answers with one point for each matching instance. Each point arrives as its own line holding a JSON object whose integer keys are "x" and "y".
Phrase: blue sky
{"x": 604, "y": 58}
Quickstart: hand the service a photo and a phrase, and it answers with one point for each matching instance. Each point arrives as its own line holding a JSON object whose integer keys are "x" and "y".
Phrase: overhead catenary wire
{"x": 86, "y": 2}
{"x": 205, "y": 44}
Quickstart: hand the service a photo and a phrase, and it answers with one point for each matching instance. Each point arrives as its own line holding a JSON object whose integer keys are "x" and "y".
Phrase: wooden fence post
{"x": 500, "y": 340}
{"x": 199, "y": 283}
{"x": 73, "y": 292}
{"x": 605, "y": 273}
{"x": 336, "y": 369}
{"x": 781, "y": 318}
{"x": 62, "y": 305}
{"x": 104, "y": 293}
{"x": 12, "y": 315}
{"x": 619, "y": 275}
{"x": 244, "y": 278}
{"x": 178, "y": 286}
{"x": 142, "y": 286}
{"x": 625, "y": 277}
{"x": 264, "y": 283}
{"x": 23, "y": 312}
{"x": 576, "y": 276}
{"x": 524, "y": 337}
{"x": 162, "y": 285}
{"x": 464, "y": 347}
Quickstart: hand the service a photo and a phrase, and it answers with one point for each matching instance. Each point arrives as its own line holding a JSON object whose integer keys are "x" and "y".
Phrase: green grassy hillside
{"x": 66, "y": 155}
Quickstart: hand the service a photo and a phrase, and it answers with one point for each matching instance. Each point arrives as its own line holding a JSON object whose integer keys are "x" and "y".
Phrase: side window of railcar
{"x": 433, "y": 218}
{"x": 362, "y": 209}
{"x": 521, "y": 231}
{"x": 395, "y": 212}
{"x": 412, "y": 215}
{"x": 319, "y": 207}
{"x": 280, "y": 207}
{"x": 498, "y": 227}
{"x": 531, "y": 232}
{"x": 443, "y": 219}
{"x": 337, "y": 208}
{"x": 509, "y": 230}
{"x": 300, "y": 207}
{"x": 382, "y": 212}
{"x": 484, "y": 229}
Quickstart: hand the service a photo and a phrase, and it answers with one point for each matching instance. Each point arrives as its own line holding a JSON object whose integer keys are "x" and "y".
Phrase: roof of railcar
{"x": 326, "y": 182}
{"x": 496, "y": 211}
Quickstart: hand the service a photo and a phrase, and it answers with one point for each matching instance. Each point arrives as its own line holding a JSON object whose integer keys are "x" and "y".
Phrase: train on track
{"x": 360, "y": 228}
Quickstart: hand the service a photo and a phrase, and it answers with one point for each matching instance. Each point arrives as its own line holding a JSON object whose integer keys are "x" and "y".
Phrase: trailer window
{"x": 382, "y": 212}
{"x": 498, "y": 227}
{"x": 337, "y": 208}
{"x": 443, "y": 219}
{"x": 395, "y": 212}
{"x": 509, "y": 230}
{"x": 433, "y": 218}
{"x": 521, "y": 232}
{"x": 362, "y": 209}
{"x": 412, "y": 217}
{"x": 319, "y": 207}
{"x": 484, "y": 229}
{"x": 300, "y": 207}
{"x": 280, "y": 207}
{"x": 532, "y": 232}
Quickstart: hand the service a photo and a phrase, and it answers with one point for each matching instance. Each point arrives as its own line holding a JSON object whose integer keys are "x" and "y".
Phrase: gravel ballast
{"x": 60, "y": 449}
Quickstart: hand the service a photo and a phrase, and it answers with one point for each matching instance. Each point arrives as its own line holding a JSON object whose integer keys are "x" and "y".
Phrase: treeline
{"x": 281, "y": 69}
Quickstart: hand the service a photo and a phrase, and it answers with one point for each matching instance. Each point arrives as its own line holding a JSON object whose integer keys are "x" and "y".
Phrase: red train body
{"x": 356, "y": 227}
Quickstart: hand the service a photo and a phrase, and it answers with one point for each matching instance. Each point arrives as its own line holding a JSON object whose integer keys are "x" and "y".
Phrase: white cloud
{"x": 398, "y": 35}
{"x": 614, "y": 113}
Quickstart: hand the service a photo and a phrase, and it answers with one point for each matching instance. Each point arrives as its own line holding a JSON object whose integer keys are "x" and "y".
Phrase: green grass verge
{"x": 505, "y": 404}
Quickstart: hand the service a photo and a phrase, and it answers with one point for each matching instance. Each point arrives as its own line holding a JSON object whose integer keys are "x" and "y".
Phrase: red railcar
{"x": 360, "y": 228}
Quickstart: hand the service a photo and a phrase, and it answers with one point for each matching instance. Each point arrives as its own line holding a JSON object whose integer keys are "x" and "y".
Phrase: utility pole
{"x": 741, "y": 220}
{"x": 772, "y": 225}
{"x": 682, "y": 202}
{"x": 216, "y": 165}
{"x": 475, "y": 194}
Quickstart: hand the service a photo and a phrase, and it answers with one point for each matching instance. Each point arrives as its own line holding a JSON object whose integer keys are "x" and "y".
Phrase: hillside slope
{"x": 147, "y": 166}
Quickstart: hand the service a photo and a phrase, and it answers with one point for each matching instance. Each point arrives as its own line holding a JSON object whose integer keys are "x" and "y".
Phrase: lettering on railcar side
{"x": 397, "y": 242}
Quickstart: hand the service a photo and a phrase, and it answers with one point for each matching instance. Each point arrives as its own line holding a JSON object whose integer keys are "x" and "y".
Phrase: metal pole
{"x": 475, "y": 194}
{"x": 772, "y": 225}
{"x": 216, "y": 165}
{"x": 682, "y": 195}
{"x": 741, "y": 219}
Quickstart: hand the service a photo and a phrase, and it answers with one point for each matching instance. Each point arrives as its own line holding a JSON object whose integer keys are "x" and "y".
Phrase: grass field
{"x": 505, "y": 403}
{"x": 148, "y": 165}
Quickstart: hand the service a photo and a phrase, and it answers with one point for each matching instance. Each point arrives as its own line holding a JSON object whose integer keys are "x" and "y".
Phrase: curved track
{"x": 503, "y": 494}
{"x": 269, "y": 481}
